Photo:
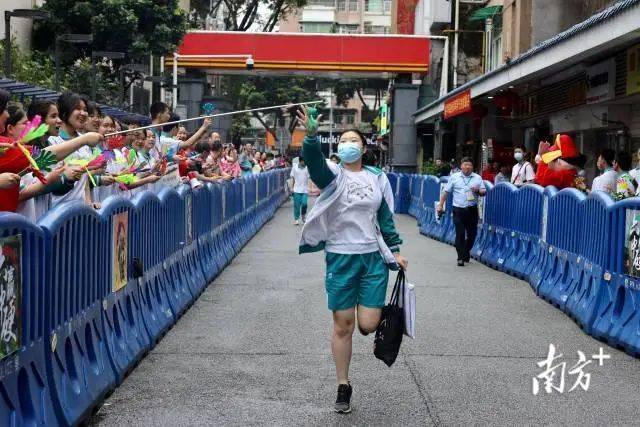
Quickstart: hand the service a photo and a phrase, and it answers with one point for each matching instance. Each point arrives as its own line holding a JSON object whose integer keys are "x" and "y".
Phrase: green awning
{"x": 485, "y": 12}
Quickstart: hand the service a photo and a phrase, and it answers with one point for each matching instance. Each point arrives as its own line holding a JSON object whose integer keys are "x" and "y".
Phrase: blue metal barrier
{"x": 26, "y": 398}
{"x": 484, "y": 229}
{"x": 526, "y": 228}
{"x": 125, "y": 334}
{"x": 147, "y": 221}
{"x": 99, "y": 289}
{"x": 572, "y": 249}
{"x": 404, "y": 196}
{"x": 415, "y": 191}
{"x": 617, "y": 301}
{"x": 430, "y": 196}
{"x": 564, "y": 228}
{"x": 79, "y": 371}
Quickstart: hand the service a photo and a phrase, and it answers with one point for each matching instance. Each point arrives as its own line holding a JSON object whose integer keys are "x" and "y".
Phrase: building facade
{"x": 346, "y": 17}
{"x": 582, "y": 79}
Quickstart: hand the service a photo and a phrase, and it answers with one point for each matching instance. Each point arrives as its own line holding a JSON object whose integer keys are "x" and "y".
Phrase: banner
{"x": 120, "y": 250}
{"x": 601, "y": 81}
{"x": 457, "y": 105}
{"x": 633, "y": 70}
{"x": 10, "y": 294}
{"x": 632, "y": 243}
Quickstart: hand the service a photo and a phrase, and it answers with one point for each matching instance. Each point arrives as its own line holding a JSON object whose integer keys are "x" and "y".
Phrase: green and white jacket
{"x": 331, "y": 180}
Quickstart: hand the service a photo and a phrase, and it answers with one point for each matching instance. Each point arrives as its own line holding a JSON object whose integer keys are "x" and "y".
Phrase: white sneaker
{"x": 296, "y": 222}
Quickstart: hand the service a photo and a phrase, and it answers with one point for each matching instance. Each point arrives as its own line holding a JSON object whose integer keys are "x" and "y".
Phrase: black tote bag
{"x": 389, "y": 332}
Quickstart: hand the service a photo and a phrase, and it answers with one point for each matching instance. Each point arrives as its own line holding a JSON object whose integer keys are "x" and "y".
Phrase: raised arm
{"x": 196, "y": 136}
{"x": 319, "y": 171}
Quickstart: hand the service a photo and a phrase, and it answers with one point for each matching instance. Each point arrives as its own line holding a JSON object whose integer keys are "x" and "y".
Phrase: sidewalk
{"x": 254, "y": 349}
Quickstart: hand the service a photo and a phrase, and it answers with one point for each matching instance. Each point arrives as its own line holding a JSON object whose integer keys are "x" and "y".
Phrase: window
{"x": 328, "y": 3}
{"x": 353, "y": 5}
{"x": 373, "y": 6}
{"x": 347, "y": 29}
{"x": 342, "y": 5}
{"x": 375, "y": 29}
{"x": 495, "y": 59}
{"x": 317, "y": 27}
{"x": 350, "y": 118}
{"x": 387, "y": 6}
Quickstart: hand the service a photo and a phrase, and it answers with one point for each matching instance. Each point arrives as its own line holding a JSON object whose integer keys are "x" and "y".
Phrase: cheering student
{"x": 165, "y": 144}
{"x": 352, "y": 221}
{"x": 14, "y": 162}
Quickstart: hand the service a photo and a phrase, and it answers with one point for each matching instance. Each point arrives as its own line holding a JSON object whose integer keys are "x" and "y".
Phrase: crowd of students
{"x": 79, "y": 159}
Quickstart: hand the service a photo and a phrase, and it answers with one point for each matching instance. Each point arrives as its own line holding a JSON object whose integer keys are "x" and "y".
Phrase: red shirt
{"x": 488, "y": 174}
{"x": 12, "y": 161}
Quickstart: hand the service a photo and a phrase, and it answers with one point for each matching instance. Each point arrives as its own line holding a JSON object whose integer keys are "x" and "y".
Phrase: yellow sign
{"x": 633, "y": 70}
{"x": 120, "y": 250}
{"x": 457, "y": 105}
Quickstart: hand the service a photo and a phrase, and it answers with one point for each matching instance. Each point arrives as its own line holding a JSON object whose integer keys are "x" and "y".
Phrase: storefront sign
{"x": 324, "y": 138}
{"x": 601, "y": 81}
{"x": 633, "y": 70}
{"x": 457, "y": 105}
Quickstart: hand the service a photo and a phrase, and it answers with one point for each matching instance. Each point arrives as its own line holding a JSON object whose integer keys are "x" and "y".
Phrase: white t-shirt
{"x": 522, "y": 173}
{"x": 301, "y": 179}
{"x": 78, "y": 190}
{"x": 165, "y": 145}
{"x": 605, "y": 182}
{"x": 352, "y": 216}
{"x": 34, "y": 208}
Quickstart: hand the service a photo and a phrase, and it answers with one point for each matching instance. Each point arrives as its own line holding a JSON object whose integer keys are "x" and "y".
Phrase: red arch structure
{"x": 285, "y": 53}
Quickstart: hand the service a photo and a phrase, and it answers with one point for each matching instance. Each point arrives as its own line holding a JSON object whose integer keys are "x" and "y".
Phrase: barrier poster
{"x": 435, "y": 208}
{"x": 188, "y": 221}
{"x": 120, "y": 245}
{"x": 481, "y": 209}
{"x": 10, "y": 294}
{"x": 632, "y": 243}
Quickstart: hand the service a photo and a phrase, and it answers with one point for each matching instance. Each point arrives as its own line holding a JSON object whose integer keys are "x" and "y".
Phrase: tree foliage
{"x": 38, "y": 69}
{"x": 242, "y": 15}
{"x": 256, "y": 92}
{"x": 135, "y": 27}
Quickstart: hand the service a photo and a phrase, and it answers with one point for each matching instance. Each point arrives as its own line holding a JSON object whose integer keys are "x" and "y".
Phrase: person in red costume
{"x": 558, "y": 165}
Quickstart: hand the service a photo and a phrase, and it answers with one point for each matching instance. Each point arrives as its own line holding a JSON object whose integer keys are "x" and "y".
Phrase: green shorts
{"x": 352, "y": 280}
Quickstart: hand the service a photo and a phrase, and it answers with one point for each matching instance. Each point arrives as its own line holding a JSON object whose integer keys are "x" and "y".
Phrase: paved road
{"x": 254, "y": 349}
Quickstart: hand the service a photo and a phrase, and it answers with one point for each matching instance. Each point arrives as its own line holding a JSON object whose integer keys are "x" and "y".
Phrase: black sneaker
{"x": 460, "y": 263}
{"x": 343, "y": 401}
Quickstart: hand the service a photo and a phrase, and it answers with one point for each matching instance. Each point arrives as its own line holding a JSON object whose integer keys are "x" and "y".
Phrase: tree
{"x": 38, "y": 69}
{"x": 256, "y": 92}
{"x": 136, "y": 27}
{"x": 243, "y": 14}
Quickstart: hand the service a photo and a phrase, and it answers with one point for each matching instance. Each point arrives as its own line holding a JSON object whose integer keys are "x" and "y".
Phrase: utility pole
{"x": 455, "y": 45}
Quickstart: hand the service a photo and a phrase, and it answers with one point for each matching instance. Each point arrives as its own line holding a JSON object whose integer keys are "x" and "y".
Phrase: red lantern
{"x": 505, "y": 102}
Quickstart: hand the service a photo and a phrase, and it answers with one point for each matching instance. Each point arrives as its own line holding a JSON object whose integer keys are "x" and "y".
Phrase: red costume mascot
{"x": 559, "y": 164}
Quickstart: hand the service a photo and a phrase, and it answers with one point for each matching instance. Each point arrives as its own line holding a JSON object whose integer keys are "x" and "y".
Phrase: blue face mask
{"x": 349, "y": 152}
